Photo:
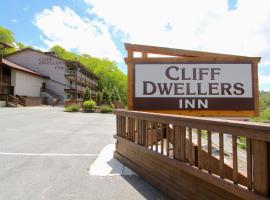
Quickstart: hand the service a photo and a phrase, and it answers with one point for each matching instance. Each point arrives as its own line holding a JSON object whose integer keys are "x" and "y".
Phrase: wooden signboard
{"x": 192, "y": 82}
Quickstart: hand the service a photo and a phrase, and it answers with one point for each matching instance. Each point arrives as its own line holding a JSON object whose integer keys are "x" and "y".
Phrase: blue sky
{"x": 99, "y": 27}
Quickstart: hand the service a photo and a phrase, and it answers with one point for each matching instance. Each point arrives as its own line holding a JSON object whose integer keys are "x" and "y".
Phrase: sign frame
{"x": 189, "y": 57}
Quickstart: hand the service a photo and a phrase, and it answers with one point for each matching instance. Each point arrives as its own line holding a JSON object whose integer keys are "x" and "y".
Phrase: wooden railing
{"x": 206, "y": 148}
{"x": 13, "y": 100}
{"x": 21, "y": 100}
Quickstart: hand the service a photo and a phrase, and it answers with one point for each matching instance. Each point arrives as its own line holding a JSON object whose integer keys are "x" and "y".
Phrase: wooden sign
{"x": 192, "y": 82}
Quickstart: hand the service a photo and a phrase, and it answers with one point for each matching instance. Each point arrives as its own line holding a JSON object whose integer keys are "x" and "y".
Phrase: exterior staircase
{"x": 56, "y": 97}
{"x": 12, "y": 101}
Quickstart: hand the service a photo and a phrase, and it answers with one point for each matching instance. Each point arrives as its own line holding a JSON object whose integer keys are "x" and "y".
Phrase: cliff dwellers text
{"x": 202, "y": 83}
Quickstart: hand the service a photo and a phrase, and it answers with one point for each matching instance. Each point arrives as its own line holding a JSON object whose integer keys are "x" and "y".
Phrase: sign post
{"x": 192, "y": 82}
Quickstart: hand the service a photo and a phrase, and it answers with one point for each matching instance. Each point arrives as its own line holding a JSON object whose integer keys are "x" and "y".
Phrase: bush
{"x": 266, "y": 114}
{"x": 72, "y": 108}
{"x": 89, "y": 105}
{"x": 106, "y": 109}
{"x": 87, "y": 94}
{"x": 105, "y": 96}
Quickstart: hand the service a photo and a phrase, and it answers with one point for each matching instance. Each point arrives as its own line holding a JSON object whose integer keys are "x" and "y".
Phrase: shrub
{"x": 105, "y": 96}
{"x": 89, "y": 105}
{"x": 114, "y": 95}
{"x": 266, "y": 114}
{"x": 99, "y": 97}
{"x": 106, "y": 109}
{"x": 72, "y": 108}
{"x": 87, "y": 94}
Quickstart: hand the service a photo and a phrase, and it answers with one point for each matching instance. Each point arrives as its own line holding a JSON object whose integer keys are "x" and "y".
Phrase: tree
{"x": 87, "y": 94}
{"x": 7, "y": 37}
{"x": 108, "y": 73}
{"x": 99, "y": 97}
{"x": 114, "y": 96}
{"x": 106, "y": 96}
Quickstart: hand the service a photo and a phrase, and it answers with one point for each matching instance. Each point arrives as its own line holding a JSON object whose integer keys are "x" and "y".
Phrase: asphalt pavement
{"x": 46, "y": 153}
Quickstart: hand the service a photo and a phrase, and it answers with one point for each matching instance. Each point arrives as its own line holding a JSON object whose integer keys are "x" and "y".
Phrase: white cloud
{"x": 14, "y": 21}
{"x": 203, "y": 25}
{"x": 25, "y": 9}
{"x": 65, "y": 28}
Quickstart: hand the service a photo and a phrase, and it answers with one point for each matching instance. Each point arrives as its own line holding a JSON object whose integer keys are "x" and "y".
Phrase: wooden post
{"x": 256, "y": 87}
{"x": 260, "y": 167}
{"x": 130, "y": 82}
{"x": 144, "y": 54}
{"x": 179, "y": 143}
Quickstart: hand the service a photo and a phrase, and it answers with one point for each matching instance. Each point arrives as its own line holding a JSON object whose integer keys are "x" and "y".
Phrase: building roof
{"x": 51, "y": 55}
{"x": 4, "y": 45}
{"x": 20, "y": 68}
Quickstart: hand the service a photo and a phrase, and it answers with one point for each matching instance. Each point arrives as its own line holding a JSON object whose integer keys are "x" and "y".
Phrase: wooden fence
{"x": 196, "y": 158}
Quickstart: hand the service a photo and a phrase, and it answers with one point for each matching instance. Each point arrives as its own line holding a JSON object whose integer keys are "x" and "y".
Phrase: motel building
{"x": 30, "y": 77}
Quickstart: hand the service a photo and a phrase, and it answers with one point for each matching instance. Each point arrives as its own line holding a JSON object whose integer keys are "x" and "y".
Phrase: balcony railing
{"x": 71, "y": 72}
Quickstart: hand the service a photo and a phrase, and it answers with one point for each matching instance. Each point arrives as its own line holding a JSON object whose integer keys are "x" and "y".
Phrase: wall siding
{"x": 55, "y": 69}
{"x": 26, "y": 84}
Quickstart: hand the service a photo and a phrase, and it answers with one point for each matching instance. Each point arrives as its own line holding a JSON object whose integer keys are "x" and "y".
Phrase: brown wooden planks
{"x": 238, "y": 128}
{"x": 199, "y": 141}
{"x": 179, "y": 177}
{"x": 260, "y": 167}
{"x": 209, "y": 148}
{"x": 249, "y": 163}
{"x": 167, "y": 140}
{"x": 158, "y": 129}
{"x": 221, "y": 155}
{"x": 162, "y": 141}
{"x": 235, "y": 160}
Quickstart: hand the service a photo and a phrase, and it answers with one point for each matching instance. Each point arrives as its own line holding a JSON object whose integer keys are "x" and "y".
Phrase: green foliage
{"x": 99, "y": 97}
{"x": 87, "y": 94}
{"x": 7, "y": 37}
{"x": 264, "y": 100}
{"x": 72, "y": 108}
{"x": 105, "y": 96}
{"x": 241, "y": 142}
{"x": 264, "y": 108}
{"x": 89, "y": 105}
{"x": 108, "y": 74}
{"x": 266, "y": 114}
{"x": 114, "y": 95}
{"x": 106, "y": 109}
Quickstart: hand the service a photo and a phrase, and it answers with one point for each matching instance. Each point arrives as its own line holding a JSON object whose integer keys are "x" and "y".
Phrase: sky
{"x": 100, "y": 27}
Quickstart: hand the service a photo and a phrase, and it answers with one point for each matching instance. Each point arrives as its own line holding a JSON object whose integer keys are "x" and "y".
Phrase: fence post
{"x": 260, "y": 167}
{"x": 179, "y": 143}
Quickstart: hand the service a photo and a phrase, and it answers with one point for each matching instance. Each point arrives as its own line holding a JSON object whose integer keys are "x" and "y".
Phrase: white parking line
{"x": 46, "y": 154}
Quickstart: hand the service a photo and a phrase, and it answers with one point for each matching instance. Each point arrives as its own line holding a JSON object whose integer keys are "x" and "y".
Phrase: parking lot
{"x": 46, "y": 153}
